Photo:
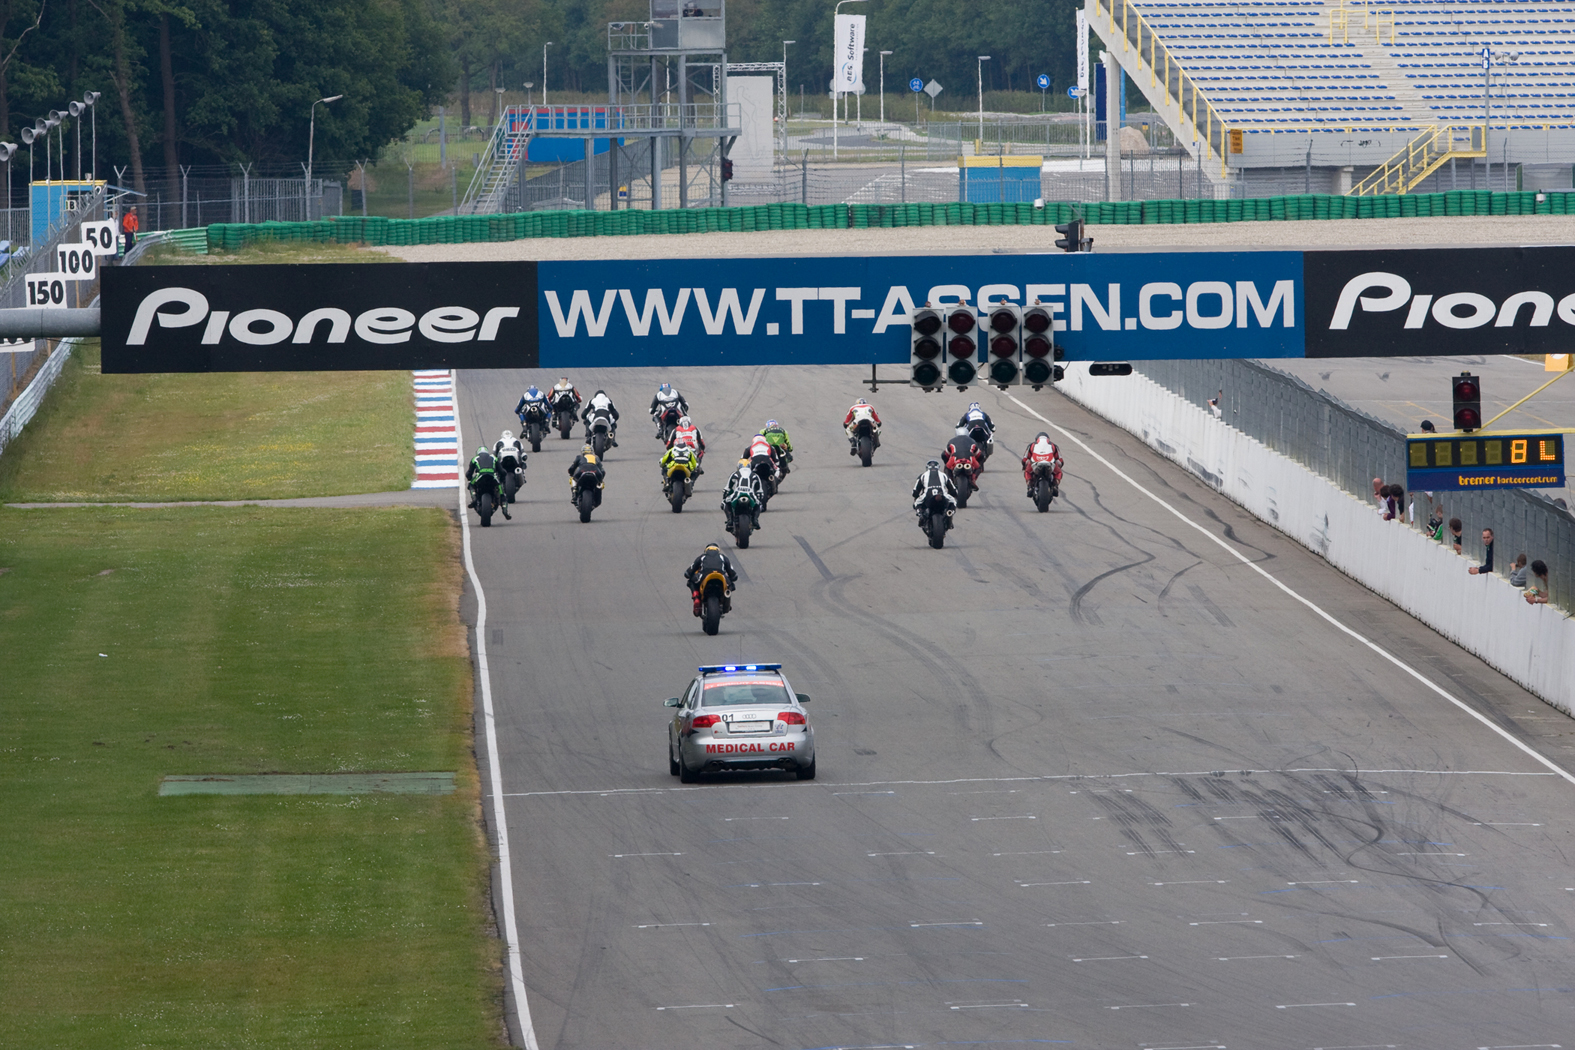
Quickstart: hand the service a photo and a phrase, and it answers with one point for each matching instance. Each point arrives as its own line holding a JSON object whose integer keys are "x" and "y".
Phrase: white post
{"x": 982, "y": 60}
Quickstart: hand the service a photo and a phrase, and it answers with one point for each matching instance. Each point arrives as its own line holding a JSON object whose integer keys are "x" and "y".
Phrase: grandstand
{"x": 1345, "y": 88}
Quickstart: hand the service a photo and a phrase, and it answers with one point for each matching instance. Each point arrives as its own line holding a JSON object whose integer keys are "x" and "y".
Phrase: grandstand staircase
{"x": 1367, "y": 26}
{"x": 1422, "y": 156}
{"x": 505, "y": 152}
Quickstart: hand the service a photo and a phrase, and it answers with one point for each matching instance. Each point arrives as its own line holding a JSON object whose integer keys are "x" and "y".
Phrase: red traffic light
{"x": 1003, "y": 346}
{"x": 961, "y": 321}
{"x": 960, "y": 347}
{"x": 1003, "y": 321}
{"x": 1467, "y": 402}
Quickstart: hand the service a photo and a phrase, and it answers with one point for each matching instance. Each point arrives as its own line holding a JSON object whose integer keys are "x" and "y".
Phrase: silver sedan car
{"x": 739, "y": 716}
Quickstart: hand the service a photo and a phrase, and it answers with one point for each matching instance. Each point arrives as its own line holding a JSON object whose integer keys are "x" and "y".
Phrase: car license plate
{"x": 749, "y": 727}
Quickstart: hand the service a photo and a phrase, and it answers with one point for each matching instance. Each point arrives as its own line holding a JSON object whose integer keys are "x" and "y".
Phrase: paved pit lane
{"x": 1085, "y": 778}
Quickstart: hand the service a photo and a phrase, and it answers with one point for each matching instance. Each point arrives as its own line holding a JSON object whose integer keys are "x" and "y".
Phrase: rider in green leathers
{"x": 775, "y": 433}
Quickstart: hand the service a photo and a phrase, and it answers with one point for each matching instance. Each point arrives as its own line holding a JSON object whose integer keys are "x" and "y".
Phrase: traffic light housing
{"x": 1468, "y": 402}
{"x": 1005, "y": 341}
{"x": 924, "y": 350}
{"x": 1072, "y": 239}
{"x": 1038, "y": 346}
{"x": 962, "y": 345}
{"x": 727, "y": 169}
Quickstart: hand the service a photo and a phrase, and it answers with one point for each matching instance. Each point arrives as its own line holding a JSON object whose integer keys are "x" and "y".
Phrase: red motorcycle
{"x": 1042, "y": 471}
{"x": 963, "y": 466}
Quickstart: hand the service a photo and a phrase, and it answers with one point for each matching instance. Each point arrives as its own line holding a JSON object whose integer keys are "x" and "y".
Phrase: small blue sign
{"x": 1043, "y": 81}
{"x": 915, "y": 84}
{"x": 1074, "y": 92}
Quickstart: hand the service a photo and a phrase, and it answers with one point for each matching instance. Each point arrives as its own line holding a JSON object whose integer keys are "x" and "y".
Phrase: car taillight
{"x": 792, "y": 718}
{"x": 704, "y": 721}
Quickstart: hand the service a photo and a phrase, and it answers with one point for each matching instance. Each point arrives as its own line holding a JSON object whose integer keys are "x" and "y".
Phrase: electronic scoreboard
{"x": 1534, "y": 459}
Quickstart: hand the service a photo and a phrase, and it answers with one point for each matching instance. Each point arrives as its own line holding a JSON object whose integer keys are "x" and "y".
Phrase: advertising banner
{"x": 340, "y": 317}
{"x": 1082, "y": 49}
{"x": 849, "y": 43}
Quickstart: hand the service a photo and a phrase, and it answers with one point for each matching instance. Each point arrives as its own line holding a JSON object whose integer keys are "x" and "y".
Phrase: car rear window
{"x": 734, "y": 692}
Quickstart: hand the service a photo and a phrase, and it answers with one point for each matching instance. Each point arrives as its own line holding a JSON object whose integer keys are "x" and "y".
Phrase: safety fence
{"x": 463, "y": 229}
{"x": 1351, "y": 448}
{"x": 187, "y": 201}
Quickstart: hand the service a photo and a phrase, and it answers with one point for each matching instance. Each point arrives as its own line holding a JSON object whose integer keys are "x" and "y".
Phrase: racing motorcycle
{"x": 743, "y": 507}
{"x": 667, "y": 422}
{"x": 564, "y": 413}
{"x": 679, "y": 482}
{"x": 1045, "y": 486}
{"x": 587, "y": 492}
{"x": 983, "y": 439}
{"x": 935, "y": 517}
{"x": 534, "y": 424}
{"x": 865, "y": 439}
{"x": 601, "y": 433}
{"x": 513, "y": 471}
{"x": 964, "y": 471}
{"x": 484, "y": 497}
{"x": 714, "y": 600}
{"x": 765, "y": 467}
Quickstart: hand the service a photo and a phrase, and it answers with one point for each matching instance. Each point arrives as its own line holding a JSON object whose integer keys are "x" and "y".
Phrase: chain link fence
{"x": 185, "y": 201}
{"x": 1351, "y": 448}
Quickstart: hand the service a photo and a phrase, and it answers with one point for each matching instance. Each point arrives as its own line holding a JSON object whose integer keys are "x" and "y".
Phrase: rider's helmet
{"x": 586, "y": 448}
{"x": 683, "y": 421}
{"x": 859, "y": 402}
{"x": 771, "y": 424}
{"x": 934, "y": 463}
{"x": 483, "y": 448}
{"x": 508, "y": 435}
{"x": 1042, "y": 438}
{"x": 665, "y": 389}
{"x": 974, "y": 407}
{"x": 712, "y": 547}
{"x": 599, "y": 393}
{"x": 531, "y": 393}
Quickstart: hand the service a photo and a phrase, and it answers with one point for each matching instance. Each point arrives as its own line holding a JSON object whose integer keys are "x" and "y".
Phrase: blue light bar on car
{"x": 721, "y": 668}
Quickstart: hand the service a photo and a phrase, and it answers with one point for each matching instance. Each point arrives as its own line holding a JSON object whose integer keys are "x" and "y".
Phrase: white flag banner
{"x": 850, "y": 54}
{"x": 1082, "y": 49}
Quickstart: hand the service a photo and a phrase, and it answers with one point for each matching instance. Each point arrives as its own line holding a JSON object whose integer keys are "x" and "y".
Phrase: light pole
{"x": 311, "y": 140}
{"x": 785, "y": 44}
{"x": 835, "y": 93}
{"x": 982, "y": 60}
{"x": 90, "y": 98}
{"x": 7, "y": 151}
{"x": 1489, "y": 57}
{"x": 75, "y": 109}
{"x": 49, "y": 161}
{"x": 883, "y": 55}
{"x": 544, "y": 48}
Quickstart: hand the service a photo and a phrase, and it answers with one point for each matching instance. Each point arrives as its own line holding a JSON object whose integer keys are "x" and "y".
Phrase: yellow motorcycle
{"x": 678, "y": 477}
{"x": 713, "y": 600}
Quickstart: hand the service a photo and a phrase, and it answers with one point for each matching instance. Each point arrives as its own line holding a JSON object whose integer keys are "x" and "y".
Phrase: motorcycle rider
{"x": 484, "y": 464}
{"x": 1042, "y": 450}
{"x": 963, "y": 447}
{"x": 532, "y": 398}
{"x": 710, "y": 560}
{"x": 861, "y": 410}
{"x": 665, "y": 464}
{"x": 932, "y": 478}
{"x": 586, "y": 460}
{"x": 563, "y": 386}
{"x": 686, "y": 433}
{"x": 762, "y": 455}
{"x": 974, "y": 417}
{"x": 744, "y": 479}
{"x": 599, "y": 403}
{"x": 666, "y": 397}
{"x": 777, "y": 434}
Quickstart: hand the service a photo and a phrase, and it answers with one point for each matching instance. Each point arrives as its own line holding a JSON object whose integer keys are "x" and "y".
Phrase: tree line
{"x": 222, "y": 84}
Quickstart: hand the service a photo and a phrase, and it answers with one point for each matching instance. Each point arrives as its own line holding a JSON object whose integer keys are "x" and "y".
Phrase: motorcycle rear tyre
{"x": 964, "y": 490}
{"x": 484, "y": 509}
{"x": 866, "y": 449}
{"x": 678, "y": 495}
{"x": 1043, "y": 495}
{"x": 711, "y": 613}
{"x": 565, "y": 425}
{"x": 587, "y": 503}
{"x": 599, "y": 444}
{"x": 937, "y": 531}
{"x": 511, "y": 485}
{"x": 742, "y": 526}
{"x": 535, "y": 436}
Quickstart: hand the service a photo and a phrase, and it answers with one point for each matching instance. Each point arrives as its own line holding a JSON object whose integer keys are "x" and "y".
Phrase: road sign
{"x": 915, "y": 84}
{"x": 1043, "y": 81}
{"x": 1533, "y": 459}
{"x": 1076, "y": 92}
{"x": 933, "y": 88}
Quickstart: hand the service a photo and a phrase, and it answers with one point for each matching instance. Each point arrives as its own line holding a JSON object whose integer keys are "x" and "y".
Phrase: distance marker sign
{"x": 1533, "y": 459}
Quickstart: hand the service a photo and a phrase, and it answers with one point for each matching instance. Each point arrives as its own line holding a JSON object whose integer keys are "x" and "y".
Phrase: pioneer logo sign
{"x": 1440, "y": 302}
{"x": 319, "y": 317}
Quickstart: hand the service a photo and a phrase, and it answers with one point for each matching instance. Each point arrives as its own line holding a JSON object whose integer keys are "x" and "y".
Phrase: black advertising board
{"x": 1439, "y": 302}
{"x": 327, "y": 317}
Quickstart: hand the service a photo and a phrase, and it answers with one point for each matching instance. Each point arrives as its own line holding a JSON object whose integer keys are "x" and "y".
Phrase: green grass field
{"x": 252, "y": 435}
{"x": 236, "y": 640}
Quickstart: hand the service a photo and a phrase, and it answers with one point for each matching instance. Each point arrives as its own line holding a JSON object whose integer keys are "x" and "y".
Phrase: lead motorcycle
{"x": 534, "y": 424}
{"x": 1045, "y": 485}
{"x": 679, "y": 482}
{"x": 564, "y": 412}
{"x": 935, "y": 516}
{"x": 866, "y": 440}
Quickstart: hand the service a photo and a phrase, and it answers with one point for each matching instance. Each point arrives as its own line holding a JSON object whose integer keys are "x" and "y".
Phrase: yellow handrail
{"x": 1422, "y": 156}
{"x": 1211, "y": 122}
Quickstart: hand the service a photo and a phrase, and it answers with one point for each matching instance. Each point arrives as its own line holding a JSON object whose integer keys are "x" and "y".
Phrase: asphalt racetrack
{"x": 1086, "y": 778}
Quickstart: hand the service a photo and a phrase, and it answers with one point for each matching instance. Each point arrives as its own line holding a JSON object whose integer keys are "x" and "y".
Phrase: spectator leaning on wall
{"x": 1517, "y": 575}
{"x": 1454, "y": 533}
{"x": 1486, "y": 568}
{"x": 1537, "y": 593}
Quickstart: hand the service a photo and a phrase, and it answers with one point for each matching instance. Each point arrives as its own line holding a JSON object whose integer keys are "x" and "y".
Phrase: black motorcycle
{"x": 765, "y": 469}
{"x": 534, "y": 424}
{"x": 667, "y": 422}
{"x": 512, "y": 469}
{"x": 935, "y": 517}
{"x": 587, "y": 492}
{"x": 964, "y": 477}
{"x": 600, "y": 427}
{"x": 564, "y": 412}
{"x": 866, "y": 440}
{"x": 982, "y": 438}
{"x": 484, "y": 497}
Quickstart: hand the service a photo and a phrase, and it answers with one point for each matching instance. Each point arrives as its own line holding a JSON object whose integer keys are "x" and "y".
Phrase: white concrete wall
{"x": 1532, "y": 644}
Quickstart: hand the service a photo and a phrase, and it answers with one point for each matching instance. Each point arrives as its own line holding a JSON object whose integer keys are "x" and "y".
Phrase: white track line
{"x": 511, "y": 932}
{"x": 1239, "y": 556}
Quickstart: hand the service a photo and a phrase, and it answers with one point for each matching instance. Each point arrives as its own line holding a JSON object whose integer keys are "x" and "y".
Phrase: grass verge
{"x": 237, "y": 640}
{"x": 229, "y": 435}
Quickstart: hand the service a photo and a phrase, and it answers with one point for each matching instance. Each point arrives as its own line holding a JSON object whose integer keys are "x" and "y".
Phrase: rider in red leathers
{"x": 964, "y": 449}
{"x": 861, "y": 409}
{"x": 1042, "y": 450}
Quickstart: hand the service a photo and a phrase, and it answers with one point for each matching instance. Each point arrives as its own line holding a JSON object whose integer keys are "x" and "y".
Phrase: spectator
{"x": 1487, "y": 559}
{"x": 1537, "y": 593}
{"x": 1455, "y": 528}
{"x": 1378, "y": 492}
{"x": 1393, "y": 495}
{"x": 1427, "y": 426}
{"x": 1214, "y": 404}
{"x": 1517, "y": 575}
{"x": 128, "y": 227}
{"x": 1435, "y": 519}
